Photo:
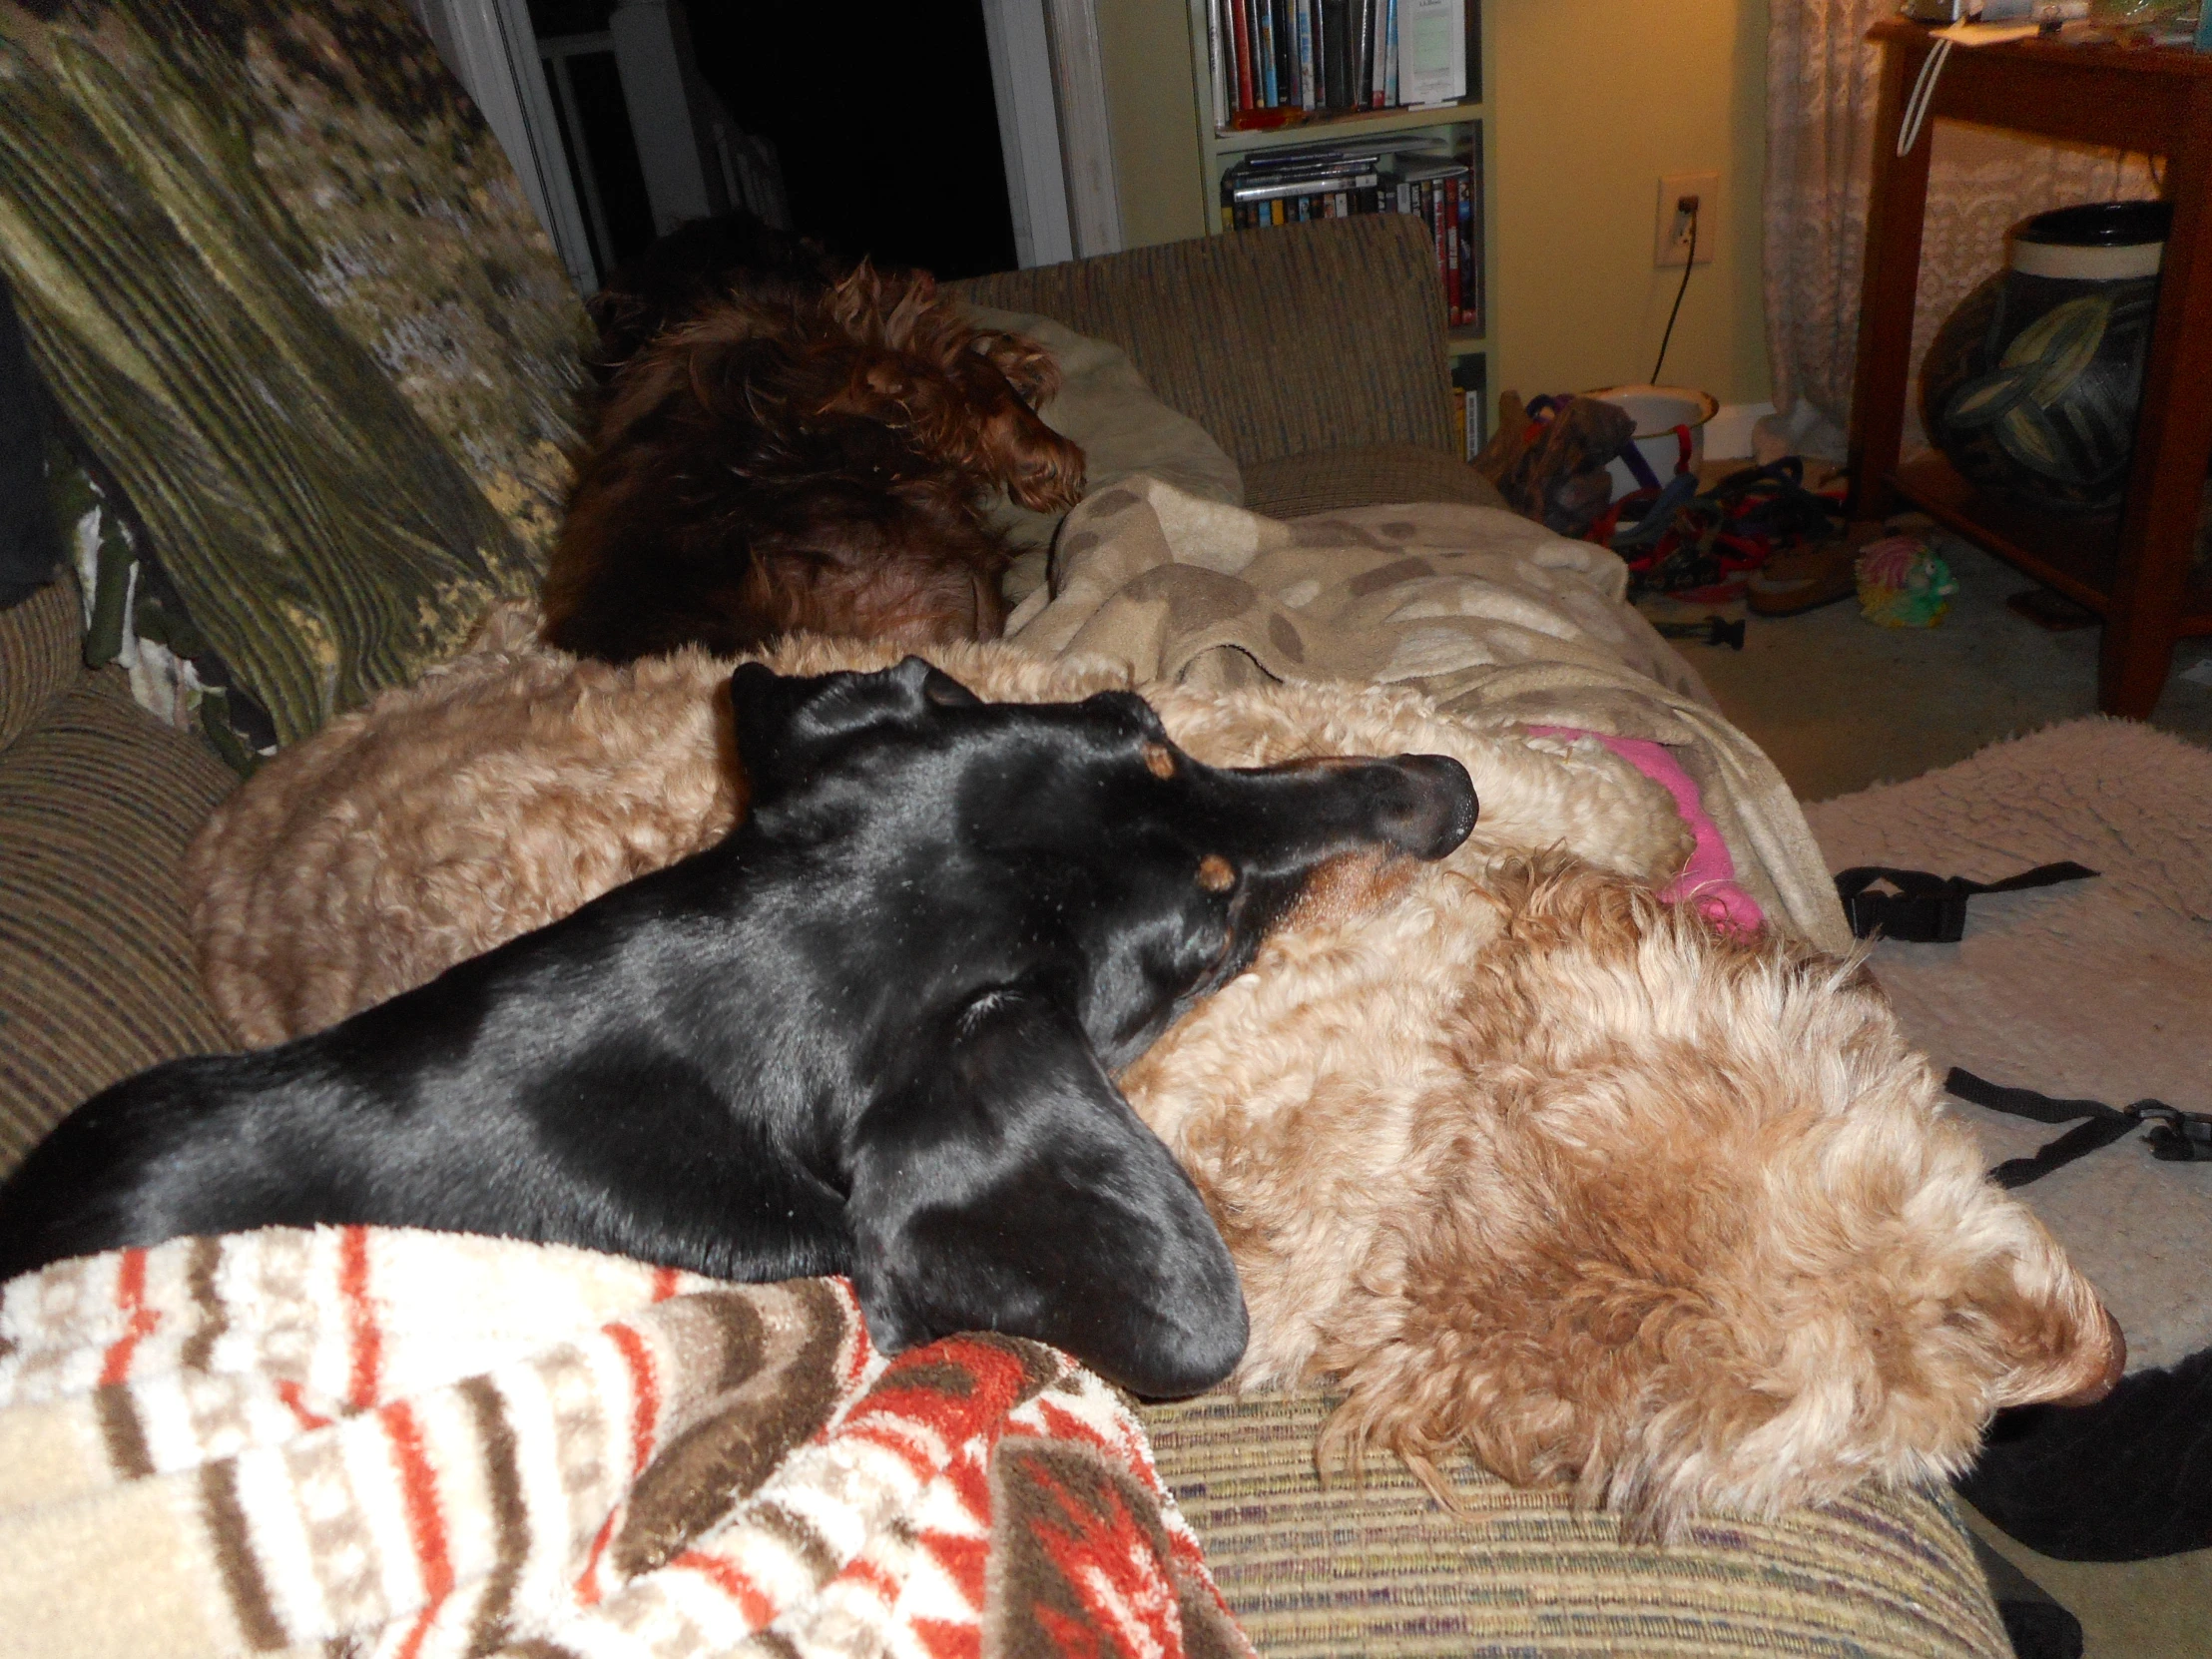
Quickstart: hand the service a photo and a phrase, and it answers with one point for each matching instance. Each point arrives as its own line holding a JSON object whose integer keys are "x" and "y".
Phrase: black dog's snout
{"x": 1429, "y": 805}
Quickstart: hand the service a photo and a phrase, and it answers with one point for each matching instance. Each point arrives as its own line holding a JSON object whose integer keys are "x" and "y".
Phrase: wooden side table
{"x": 2134, "y": 568}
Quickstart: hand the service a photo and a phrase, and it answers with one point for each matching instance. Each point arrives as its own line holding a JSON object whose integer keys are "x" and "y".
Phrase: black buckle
{"x": 2176, "y": 1136}
{"x": 1921, "y": 909}
{"x": 1922, "y": 917}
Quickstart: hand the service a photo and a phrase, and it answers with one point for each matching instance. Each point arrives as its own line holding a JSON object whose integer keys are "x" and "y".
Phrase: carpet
{"x": 2099, "y": 989}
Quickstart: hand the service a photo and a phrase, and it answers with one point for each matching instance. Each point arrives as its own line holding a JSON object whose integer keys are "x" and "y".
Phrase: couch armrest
{"x": 1280, "y": 342}
{"x": 39, "y": 658}
{"x": 98, "y": 801}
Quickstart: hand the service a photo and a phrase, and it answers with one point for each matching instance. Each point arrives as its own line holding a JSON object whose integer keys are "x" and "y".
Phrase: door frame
{"x": 1050, "y": 83}
{"x": 491, "y": 48}
{"x": 1047, "y": 78}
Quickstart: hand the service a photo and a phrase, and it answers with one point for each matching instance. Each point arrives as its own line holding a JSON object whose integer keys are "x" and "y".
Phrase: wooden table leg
{"x": 1886, "y": 289}
{"x": 2173, "y": 441}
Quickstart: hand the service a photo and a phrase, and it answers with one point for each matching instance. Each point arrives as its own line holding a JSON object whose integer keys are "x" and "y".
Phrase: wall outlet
{"x": 1671, "y": 236}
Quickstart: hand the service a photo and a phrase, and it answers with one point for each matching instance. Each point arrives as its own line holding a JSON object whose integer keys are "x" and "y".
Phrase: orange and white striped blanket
{"x": 366, "y": 1442}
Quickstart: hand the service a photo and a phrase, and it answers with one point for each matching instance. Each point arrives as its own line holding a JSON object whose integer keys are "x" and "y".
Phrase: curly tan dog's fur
{"x": 1604, "y": 1194}
{"x": 505, "y": 789}
{"x": 1528, "y": 1164}
{"x": 495, "y": 794}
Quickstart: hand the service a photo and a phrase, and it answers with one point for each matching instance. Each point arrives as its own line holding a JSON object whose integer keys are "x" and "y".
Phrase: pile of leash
{"x": 1912, "y": 906}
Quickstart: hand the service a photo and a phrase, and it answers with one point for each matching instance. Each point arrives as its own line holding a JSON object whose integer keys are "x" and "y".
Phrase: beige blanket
{"x": 1498, "y": 618}
{"x": 426, "y": 1446}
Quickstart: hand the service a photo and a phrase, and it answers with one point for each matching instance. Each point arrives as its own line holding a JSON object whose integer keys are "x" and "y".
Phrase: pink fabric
{"x": 1708, "y": 881}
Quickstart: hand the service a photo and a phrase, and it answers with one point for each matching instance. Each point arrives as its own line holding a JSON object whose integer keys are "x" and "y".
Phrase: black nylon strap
{"x": 2175, "y": 1135}
{"x": 1930, "y": 909}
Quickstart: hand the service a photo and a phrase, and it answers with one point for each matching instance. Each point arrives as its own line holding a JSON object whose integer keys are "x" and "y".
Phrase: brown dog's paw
{"x": 1048, "y": 470}
{"x": 1027, "y": 367}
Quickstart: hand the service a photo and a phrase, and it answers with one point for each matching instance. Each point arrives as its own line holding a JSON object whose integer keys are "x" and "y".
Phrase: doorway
{"x": 882, "y": 116}
{"x": 931, "y": 134}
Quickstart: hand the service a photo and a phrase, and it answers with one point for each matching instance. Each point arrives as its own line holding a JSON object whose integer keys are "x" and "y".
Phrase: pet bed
{"x": 2086, "y": 990}
{"x": 423, "y": 1445}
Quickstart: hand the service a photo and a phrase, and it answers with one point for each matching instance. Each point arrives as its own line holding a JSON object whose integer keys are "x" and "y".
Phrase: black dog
{"x": 868, "y": 1033}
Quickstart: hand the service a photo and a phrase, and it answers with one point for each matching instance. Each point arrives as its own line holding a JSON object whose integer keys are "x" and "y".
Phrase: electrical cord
{"x": 1689, "y": 265}
{"x": 1923, "y": 95}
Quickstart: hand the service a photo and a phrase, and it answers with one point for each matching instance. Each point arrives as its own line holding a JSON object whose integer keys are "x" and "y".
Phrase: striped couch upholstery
{"x": 1314, "y": 356}
{"x": 1379, "y": 1567}
{"x": 98, "y": 803}
{"x": 1326, "y": 337}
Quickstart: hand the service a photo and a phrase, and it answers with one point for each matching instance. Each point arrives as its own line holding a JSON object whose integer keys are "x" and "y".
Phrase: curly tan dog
{"x": 495, "y": 794}
{"x": 1606, "y": 1194}
{"x": 508, "y": 786}
{"x": 1530, "y": 1165}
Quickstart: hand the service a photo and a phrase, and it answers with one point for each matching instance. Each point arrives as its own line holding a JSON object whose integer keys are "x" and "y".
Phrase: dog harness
{"x": 1921, "y": 908}
{"x": 2175, "y": 1136}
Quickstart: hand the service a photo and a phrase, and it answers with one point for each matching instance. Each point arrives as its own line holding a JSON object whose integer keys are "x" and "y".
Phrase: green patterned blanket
{"x": 316, "y": 350}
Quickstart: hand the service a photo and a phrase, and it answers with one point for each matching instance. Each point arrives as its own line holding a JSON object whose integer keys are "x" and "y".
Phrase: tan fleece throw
{"x": 1493, "y": 615}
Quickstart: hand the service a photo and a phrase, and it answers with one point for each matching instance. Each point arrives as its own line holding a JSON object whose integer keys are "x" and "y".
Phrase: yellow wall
{"x": 1594, "y": 100}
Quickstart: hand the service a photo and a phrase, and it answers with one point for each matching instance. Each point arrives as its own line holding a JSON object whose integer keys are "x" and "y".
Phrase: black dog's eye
{"x": 1216, "y": 873}
{"x": 1159, "y": 760}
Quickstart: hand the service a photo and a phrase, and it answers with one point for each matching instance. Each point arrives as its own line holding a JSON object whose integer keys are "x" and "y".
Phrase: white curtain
{"x": 1822, "y": 82}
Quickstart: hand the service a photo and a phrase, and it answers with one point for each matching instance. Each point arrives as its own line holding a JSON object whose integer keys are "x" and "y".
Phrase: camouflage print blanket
{"x": 316, "y": 356}
{"x": 1500, "y": 620}
{"x": 355, "y": 1441}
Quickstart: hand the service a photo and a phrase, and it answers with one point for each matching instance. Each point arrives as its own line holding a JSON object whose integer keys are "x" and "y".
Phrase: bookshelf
{"x": 1462, "y": 130}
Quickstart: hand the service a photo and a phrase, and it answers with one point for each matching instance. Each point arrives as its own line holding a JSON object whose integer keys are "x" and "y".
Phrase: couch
{"x": 333, "y": 140}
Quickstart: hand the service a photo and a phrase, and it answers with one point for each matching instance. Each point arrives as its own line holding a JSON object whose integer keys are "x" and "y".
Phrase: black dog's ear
{"x": 1011, "y": 1188}
{"x": 942, "y": 689}
{"x": 783, "y": 722}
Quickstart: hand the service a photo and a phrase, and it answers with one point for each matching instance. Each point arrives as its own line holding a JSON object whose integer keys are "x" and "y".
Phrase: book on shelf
{"x": 1278, "y": 63}
{"x": 1435, "y": 66}
{"x": 1417, "y": 174}
{"x": 1471, "y": 412}
{"x": 1444, "y": 189}
{"x": 1309, "y": 97}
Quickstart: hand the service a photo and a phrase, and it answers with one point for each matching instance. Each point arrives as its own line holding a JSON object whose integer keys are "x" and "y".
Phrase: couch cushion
{"x": 38, "y": 657}
{"x": 97, "y": 806}
{"x": 1276, "y": 341}
{"x": 1374, "y": 476}
{"x": 1381, "y": 1568}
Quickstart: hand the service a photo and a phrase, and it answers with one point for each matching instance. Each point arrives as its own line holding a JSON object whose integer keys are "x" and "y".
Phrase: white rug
{"x": 2095, "y": 989}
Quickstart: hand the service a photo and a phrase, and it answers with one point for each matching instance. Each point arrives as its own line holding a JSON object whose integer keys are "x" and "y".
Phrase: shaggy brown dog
{"x": 805, "y": 460}
{"x": 1530, "y": 1165}
{"x": 693, "y": 268}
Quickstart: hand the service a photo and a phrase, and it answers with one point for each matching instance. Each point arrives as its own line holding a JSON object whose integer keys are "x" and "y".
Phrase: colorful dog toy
{"x": 1902, "y": 583}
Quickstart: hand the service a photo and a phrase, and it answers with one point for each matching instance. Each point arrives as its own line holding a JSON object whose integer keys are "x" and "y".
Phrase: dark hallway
{"x": 882, "y": 115}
